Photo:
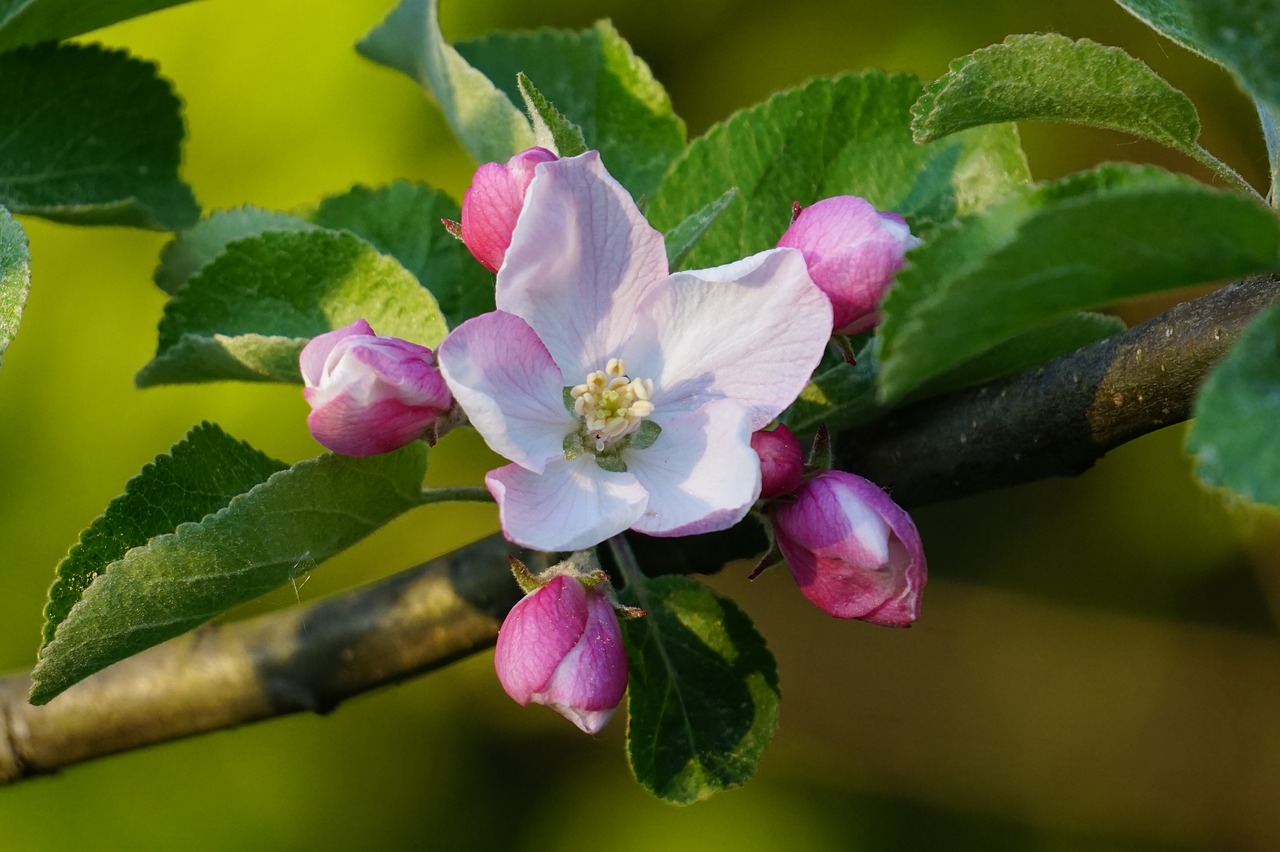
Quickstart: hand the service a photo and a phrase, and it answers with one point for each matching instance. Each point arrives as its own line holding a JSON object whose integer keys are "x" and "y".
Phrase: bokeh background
{"x": 1098, "y": 664}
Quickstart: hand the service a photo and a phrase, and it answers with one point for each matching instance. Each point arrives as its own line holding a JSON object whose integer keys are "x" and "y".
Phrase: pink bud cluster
{"x": 852, "y": 551}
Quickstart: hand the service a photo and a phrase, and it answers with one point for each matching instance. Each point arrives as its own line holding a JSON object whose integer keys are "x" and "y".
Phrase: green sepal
{"x": 683, "y": 237}
{"x": 643, "y": 437}
{"x": 613, "y": 464}
{"x": 524, "y": 577}
{"x": 550, "y": 128}
{"x": 573, "y": 446}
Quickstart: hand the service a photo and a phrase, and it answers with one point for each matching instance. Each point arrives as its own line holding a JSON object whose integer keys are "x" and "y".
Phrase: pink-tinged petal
{"x": 354, "y": 428}
{"x": 864, "y": 276}
{"x": 853, "y": 552}
{"x": 581, "y": 259}
{"x": 492, "y": 204}
{"x": 781, "y": 461}
{"x": 372, "y": 394}
{"x": 524, "y": 165}
{"x": 752, "y": 331}
{"x": 313, "y": 356}
{"x": 590, "y": 681}
{"x": 569, "y": 506}
{"x": 701, "y": 473}
{"x": 510, "y": 388}
{"x": 853, "y": 251}
{"x": 537, "y": 635}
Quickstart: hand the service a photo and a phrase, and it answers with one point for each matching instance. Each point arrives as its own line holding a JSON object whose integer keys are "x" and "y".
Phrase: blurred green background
{"x": 1097, "y": 667}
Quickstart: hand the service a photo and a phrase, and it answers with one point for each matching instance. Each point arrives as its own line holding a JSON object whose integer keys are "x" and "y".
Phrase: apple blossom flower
{"x": 370, "y": 394}
{"x": 853, "y": 252}
{"x": 561, "y": 646}
{"x": 493, "y": 202}
{"x": 625, "y": 397}
{"x": 852, "y": 550}
{"x": 781, "y": 461}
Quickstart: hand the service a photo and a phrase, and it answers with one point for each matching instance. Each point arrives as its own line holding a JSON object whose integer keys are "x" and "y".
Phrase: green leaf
{"x": 195, "y": 248}
{"x": 91, "y": 136}
{"x": 403, "y": 220}
{"x": 24, "y": 22}
{"x": 1234, "y": 437}
{"x": 703, "y": 692}
{"x": 592, "y": 77}
{"x": 1116, "y": 232}
{"x": 1052, "y": 78}
{"x": 683, "y": 237}
{"x": 844, "y": 136}
{"x": 1243, "y": 36}
{"x": 551, "y": 129}
{"x": 262, "y": 539}
{"x": 15, "y": 278}
{"x": 1025, "y": 350}
{"x": 248, "y": 314}
{"x": 485, "y": 120}
{"x": 198, "y": 476}
{"x": 842, "y": 396}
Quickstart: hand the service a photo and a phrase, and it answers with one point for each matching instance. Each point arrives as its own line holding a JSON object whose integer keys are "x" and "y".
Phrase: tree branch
{"x": 1057, "y": 419}
{"x": 305, "y": 658}
{"x": 1061, "y": 417}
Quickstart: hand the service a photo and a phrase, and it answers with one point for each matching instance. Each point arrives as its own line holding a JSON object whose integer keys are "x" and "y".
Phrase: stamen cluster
{"x": 611, "y": 404}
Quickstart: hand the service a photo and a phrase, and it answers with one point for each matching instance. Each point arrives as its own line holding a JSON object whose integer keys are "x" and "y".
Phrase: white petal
{"x": 581, "y": 258}
{"x": 569, "y": 506}
{"x": 513, "y": 393}
{"x": 701, "y": 473}
{"x": 751, "y": 331}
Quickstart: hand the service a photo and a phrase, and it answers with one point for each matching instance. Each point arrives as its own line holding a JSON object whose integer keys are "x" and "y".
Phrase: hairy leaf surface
{"x": 264, "y": 537}
{"x": 599, "y": 84}
{"x": 91, "y": 136}
{"x": 15, "y": 278}
{"x": 485, "y": 120}
{"x": 844, "y": 136}
{"x": 248, "y": 314}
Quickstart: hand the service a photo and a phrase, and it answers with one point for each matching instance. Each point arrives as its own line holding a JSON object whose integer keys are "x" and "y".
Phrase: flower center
{"x": 611, "y": 407}
{"x": 611, "y": 404}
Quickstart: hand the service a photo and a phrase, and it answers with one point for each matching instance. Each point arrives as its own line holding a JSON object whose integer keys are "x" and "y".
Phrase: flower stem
{"x": 458, "y": 493}
{"x": 626, "y": 559}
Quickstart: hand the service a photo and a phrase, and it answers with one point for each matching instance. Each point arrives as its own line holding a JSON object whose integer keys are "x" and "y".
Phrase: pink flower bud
{"x": 852, "y": 550}
{"x": 852, "y": 252}
{"x": 493, "y": 203}
{"x": 561, "y": 646}
{"x": 370, "y": 394}
{"x": 781, "y": 461}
